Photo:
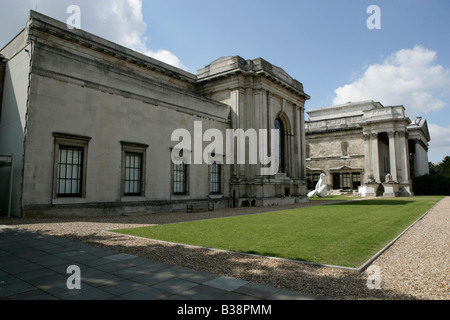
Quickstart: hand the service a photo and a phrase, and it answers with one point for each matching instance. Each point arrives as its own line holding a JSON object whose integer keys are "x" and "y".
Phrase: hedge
{"x": 431, "y": 185}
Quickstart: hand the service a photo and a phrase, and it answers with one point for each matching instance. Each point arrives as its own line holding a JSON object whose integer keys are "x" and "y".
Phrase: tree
{"x": 440, "y": 169}
{"x": 435, "y": 183}
{"x": 445, "y": 167}
{"x": 435, "y": 169}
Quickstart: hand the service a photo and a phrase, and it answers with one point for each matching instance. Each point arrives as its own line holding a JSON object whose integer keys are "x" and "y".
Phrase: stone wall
{"x": 13, "y": 119}
{"x": 335, "y": 152}
{"x": 83, "y": 86}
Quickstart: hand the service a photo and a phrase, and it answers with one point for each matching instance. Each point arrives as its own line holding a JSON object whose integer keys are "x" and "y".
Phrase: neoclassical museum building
{"x": 87, "y": 128}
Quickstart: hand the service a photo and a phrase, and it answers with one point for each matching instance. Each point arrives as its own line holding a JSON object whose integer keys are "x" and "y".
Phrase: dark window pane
{"x": 133, "y": 172}
{"x": 215, "y": 178}
{"x": 336, "y": 180}
{"x": 346, "y": 181}
{"x": 70, "y": 165}
{"x": 356, "y": 177}
{"x": 179, "y": 179}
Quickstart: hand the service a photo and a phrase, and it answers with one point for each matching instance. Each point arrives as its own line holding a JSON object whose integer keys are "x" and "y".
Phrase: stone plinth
{"x": 390, "y": 189}
{"x": 371, "y": 189}
{"x": 405, "y": 189}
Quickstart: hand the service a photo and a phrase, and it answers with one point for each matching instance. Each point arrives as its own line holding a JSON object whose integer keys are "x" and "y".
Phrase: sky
{"x": 325, "y": 44}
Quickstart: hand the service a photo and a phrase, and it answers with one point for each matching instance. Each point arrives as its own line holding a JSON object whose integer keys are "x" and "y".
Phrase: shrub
{"x": 431, "y": 185}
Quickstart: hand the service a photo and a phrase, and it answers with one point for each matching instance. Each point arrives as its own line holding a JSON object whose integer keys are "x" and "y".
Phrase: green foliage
{"x": 431, "y": 184}
{"x": 435, "y": 169}
{"x": 445, "y": 167}
{"x": 435, "y": 183}
{"x": 441, "y": 169}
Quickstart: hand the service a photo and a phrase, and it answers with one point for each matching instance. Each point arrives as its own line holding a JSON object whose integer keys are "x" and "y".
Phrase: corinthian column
{"x": 367, "y": 153}
{"x": 375, "y": 157}
{"x": 392, "y": 155}
{"x": 404, "y": 155}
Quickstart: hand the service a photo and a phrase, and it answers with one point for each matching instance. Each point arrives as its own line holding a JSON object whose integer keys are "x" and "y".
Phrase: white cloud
{"x": 440, "y": 137}
{"x": 440, "y": 142}
{"x": 409, "y": 77}
{"x": 120, "y": 21}
{"x": 167, "y": 57}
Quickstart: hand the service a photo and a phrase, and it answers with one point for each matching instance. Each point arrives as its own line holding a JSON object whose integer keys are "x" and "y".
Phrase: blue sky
{"x": 325, "y": 44}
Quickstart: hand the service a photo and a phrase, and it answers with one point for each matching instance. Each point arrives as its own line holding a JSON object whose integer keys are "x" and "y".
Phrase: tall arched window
{"x": 280, "y": 128}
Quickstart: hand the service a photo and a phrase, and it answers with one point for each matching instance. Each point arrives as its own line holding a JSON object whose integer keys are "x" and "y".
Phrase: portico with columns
{"x": 386, "y": 140}
{"x": 379, "y": 143}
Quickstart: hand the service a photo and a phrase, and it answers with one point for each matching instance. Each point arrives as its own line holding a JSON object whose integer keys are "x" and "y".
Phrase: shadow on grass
{"x": 315, "y": 280}
{"x": 375, "y": 203}
{"x": 163, "y": 217}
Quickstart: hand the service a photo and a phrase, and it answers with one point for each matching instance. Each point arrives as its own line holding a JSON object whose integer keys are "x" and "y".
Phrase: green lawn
{"x": 335, "y": 197}
{"x": 345, "y": 234}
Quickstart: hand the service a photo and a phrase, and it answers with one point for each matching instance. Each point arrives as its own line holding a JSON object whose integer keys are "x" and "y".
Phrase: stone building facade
{"x": 366, "y": 148}
{"x": 90, "y": 126}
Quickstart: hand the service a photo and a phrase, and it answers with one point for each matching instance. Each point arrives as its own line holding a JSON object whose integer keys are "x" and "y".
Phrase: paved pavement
{"x": 34, "y": 267}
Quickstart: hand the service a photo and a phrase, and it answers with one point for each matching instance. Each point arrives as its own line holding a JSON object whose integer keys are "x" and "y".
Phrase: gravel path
{"x": 415, "y": 267}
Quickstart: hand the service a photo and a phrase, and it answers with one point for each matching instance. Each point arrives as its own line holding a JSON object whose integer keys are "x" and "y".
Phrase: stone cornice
{"x": 40, "y": 22}
{"x": 226, "y": 67}
{"x": 333, "y": 125}
{"x": 355, "y": 156}
{"x": 141, "y": 77}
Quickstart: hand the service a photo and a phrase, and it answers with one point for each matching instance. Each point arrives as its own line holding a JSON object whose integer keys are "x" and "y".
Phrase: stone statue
{"x": 371, "y": 179}
{"x": 388, "y": 178}
{"x": 321, "y": 188}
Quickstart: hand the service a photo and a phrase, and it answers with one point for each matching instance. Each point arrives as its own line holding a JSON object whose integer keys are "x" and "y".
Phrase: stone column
{"x": 375, "y": 157}
{"x": 249, "y": 122}
{"x": 236, "y": 110}
{"x": 417, "y": 148}
{"x": 260, "y": 121}
{"x": 404, "y": 156}
{"x": 269, "y": 115}
{"x": 270, "y": 119}
{"x": 302, "y": 174}
{"x": 367, "y": 153}
{"x": 421, "y": 158}
{"x": 299, "y": 156}
{"x": 393, "y": 155}
{"x": 291, "y": 151}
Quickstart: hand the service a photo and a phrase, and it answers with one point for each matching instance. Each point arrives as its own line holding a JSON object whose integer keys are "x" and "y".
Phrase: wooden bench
{"x": 199, "y": 205}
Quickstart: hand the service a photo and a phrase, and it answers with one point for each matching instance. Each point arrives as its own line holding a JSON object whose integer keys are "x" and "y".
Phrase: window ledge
{"x": 180, "y": 197}
{"x": 216, "y": 196}
{"x": 69, "y": 201}
{"x": 132, "y": 199}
